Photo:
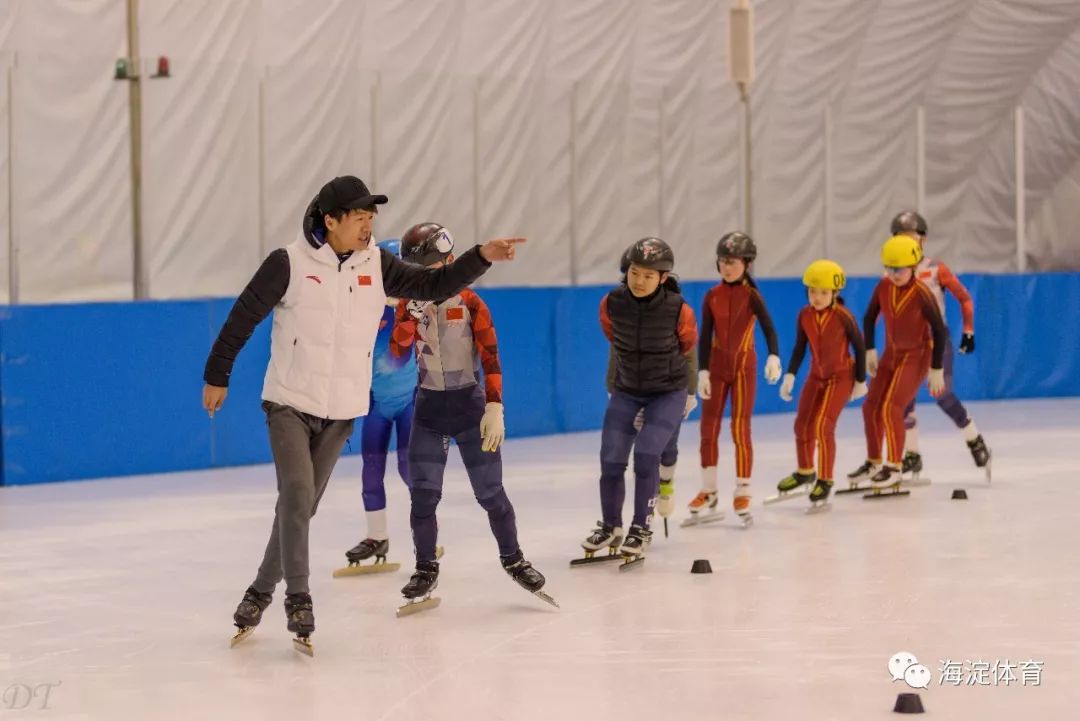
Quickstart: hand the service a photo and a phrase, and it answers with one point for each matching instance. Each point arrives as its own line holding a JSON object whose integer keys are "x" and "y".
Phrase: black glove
{"x": 967, "y": 343}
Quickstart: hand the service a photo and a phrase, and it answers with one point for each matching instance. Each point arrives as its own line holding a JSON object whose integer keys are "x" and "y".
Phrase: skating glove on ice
{"x": 967, "y": 343}
{"x": 691, "y": 404}
{"x": 858, "y": 391}
{"x": 704, "y": 385}
{"x": 871, "y": 362}
{"x": 416, "y": 308}
{"x": 492, "y": 427}
{"x": 787, "y": 386}
{"x": 937, "y": 381}
{"x": 772, "y": 369}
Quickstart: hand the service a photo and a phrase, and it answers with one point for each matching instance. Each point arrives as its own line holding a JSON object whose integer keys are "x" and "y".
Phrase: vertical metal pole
{"x": 827, "y": 196}
{"x": 1021, "y": 191}
{"x": 261, "y": 143}
{"x": 476, "y": 161}
{"x": 375, "y": 92}
{"x": 13, "y": 245}
{"x": 660, "y": 164}
{"x": 920, "y": 160}
{"x": 748, "y": 161}
{"x": 135, "y": 109}
{"x": 573, "y": 185}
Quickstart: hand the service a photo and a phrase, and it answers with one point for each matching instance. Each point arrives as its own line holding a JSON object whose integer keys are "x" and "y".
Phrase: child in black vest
{"x": 651, "y": 329}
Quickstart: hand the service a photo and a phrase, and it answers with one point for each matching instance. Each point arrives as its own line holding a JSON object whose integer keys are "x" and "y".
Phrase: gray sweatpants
{"x": 305, "y": 449}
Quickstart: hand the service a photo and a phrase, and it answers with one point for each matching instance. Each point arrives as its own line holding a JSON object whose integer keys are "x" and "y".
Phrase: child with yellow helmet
{"x": 915, "y": 339}
{"x": 836, "y": 377}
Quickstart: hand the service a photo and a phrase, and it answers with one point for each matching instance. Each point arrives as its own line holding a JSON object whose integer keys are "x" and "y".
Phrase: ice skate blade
{"x": 417, "y": 606}
{"x": 817, "y": 507}
{"x": 589, "y": 560}
{"x": 785, "y": 495}
{"x": 701, "y": 520}
{"x": 746, "y": 520}
{"x": 303, "y": 645}
{"x": 240, "y": 635}
{"x": 631, "y": 562}
{"x": 363, "y": 569}
{"x": 546, "y": 598}
{"x": 852, "y": 489}
{"x": 890, "y": 492}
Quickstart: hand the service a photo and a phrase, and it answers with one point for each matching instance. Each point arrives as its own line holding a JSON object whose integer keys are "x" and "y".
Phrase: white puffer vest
{"x": 324, "y": 332}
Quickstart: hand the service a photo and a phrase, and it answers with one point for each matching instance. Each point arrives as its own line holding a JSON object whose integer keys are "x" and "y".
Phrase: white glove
{"x": 772, "y": 369}
{"x": 858, "y": 391}
{"x": 416, "y": 308}
{"x": 704, "y": 385}
{"x": 639, "y": 419}
{"x": 691, "y": 404}
{"x": 492, "y": 427}
{"x": 786, "y": 386}
{"x": 937, "y": 381}
{"x": 871, "y": 362}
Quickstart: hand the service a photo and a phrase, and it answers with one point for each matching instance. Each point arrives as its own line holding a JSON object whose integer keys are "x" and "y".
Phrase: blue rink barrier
{"x": 109, "y": 389}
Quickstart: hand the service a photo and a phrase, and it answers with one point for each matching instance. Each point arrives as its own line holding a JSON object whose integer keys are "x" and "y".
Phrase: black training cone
{"x": 959, "y": 494}
{"x": 701, "y": 566}
{"x": 908, "y": 703}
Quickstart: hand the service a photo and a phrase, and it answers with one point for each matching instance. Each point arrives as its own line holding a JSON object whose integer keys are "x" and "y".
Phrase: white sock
{"x": 911, "y": 440}
{"x": 970, "y": 431}
{"x": 742, "y": 487}
{"x": 708, "y": 478}
{"x": 376, "y": 524}
{"x": 667, "y": 473}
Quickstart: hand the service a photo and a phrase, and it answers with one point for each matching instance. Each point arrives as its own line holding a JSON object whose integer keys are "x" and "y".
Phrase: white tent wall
{"x": 581, "y": 124}
{"x": 7, "y": 57}
{"x": 200, "y": 147}
{"x": 71, "y": 195}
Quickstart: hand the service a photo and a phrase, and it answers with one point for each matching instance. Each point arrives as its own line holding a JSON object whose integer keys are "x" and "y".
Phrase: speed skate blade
{"x": 240, "y": 635}
{"x": 885, "y": 493}
{"x": 303, "y": 645}
{"x": 588, "y": 560}
{"x": 364, "y": 569}
{"x": 701, "y": 520}
{"x": 629, "y": 564}
{"x": 818, "y": 507}
{"x": 853, "y": 489}
{"x": 546, "y": 598}
{"x": 799, "y": 492}
{"x": 665, "y": 527}
{"x": 417, "y": 606}
{"x": 917, "y": 482}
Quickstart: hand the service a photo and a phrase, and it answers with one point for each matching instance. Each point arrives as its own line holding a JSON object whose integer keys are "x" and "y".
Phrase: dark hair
{"x": 341, "y": 212}
{"x": 672, "y": 283}
{"x": 749, "y": 280}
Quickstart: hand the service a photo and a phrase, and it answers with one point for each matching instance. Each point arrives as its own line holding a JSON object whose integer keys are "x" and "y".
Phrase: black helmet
{"x": 908, "y": 221}
{"x": 426, "y": 243}
{"x": 736, "y": 244}
{"x": 624, "y": 262}
{"x": 651, "y": 253}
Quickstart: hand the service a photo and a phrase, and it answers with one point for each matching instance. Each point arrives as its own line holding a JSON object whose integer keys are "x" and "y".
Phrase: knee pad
{"x": 496, "y": 502}
{"x": 612, "y": 470}
{"x": 424, "y": 501}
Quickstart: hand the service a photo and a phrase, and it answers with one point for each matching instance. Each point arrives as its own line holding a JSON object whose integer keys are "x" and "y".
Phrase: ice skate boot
{"x": 301, "y": 621}
{"x": 249, "y": 613}
{"x": 526, "y": 576}
{"x": 604, "y": 536}
{"x": 361, "y": 552}
{"x": 417, "y": 591}
{"x": 794, "y": 485}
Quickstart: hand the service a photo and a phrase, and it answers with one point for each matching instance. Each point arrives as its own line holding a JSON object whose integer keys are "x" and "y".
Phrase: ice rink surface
{"x": 116, "y": 596}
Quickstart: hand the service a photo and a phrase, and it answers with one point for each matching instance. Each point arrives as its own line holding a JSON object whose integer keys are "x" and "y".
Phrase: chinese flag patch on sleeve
{"x": 455, "y": 314}
{"x": 363, "y": 279}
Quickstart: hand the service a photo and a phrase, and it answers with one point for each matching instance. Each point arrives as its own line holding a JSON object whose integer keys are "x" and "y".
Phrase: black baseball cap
{"x": 347, "y": 192}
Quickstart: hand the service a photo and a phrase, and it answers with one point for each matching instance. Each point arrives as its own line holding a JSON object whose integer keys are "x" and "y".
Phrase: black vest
{"x": 645, "y": 336}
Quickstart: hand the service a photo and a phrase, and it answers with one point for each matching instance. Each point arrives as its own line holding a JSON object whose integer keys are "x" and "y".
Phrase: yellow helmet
{"x": 824, "y": 275}
{"x": 901, "y": 251}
